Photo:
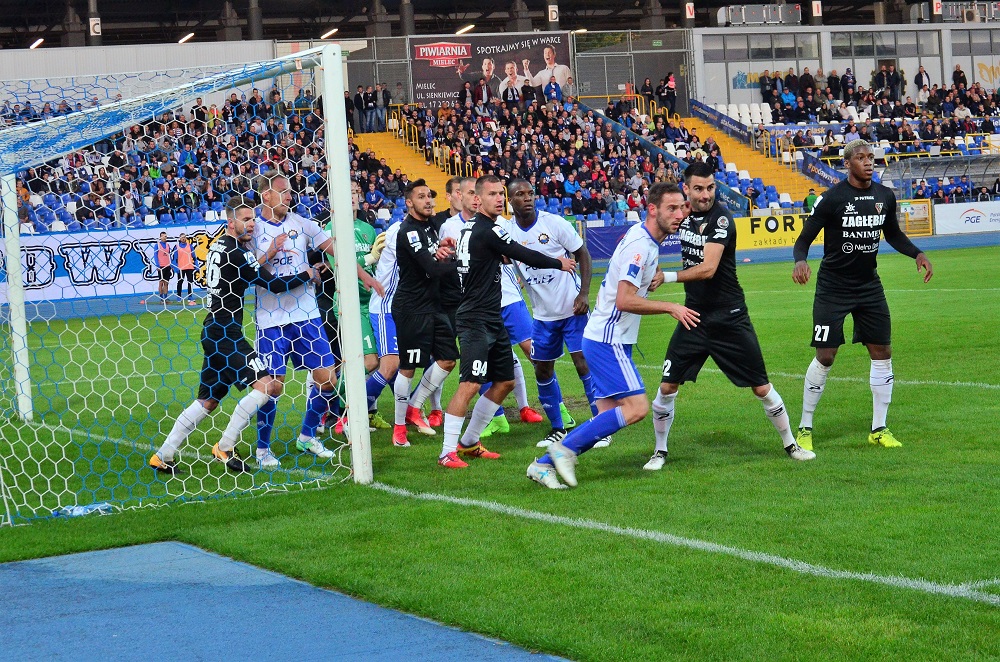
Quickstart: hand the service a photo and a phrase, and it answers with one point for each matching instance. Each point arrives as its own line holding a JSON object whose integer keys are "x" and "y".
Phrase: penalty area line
{"x": 965, "y": 591}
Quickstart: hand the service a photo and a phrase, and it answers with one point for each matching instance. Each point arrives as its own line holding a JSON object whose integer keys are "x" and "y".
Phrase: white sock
{"x": 185, "y": 424}
{"x": 881, "y": 379}
{"x": 435, "y": 399}
{"x": 452, "y": 431}
{"x": 663, "y": 418}
{"x": 401, "y": 389}
{"x": 430, "y": 381}
{"x": 482, "y": 414}
{"x": 774, "y": 407}
{"x": 246, "y": 408}
{"x": 309, "y": 381}
{"x": 813, "y": 391}
{"x": 520, "y": 388}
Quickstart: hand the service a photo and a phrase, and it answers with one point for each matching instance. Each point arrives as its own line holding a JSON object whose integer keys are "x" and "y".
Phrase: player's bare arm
{"x": 658, "y": 279}
{"x": 275, "y": 247}
{"x": 628, "y": 300}
{"x": 705, "y": 270}
{"x": 581, "y": 304}
{"x": 923, "y": 264}
{"x": 369, "y": 282}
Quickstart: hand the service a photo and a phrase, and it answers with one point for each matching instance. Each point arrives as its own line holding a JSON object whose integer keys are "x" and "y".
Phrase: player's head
{"x": 522, "y": 198}
{"x": 666, "y": 208}
{"x": 453, "y": 189}
{"x": 183, "y": 238}
{"x": 163, "y": 236}
{"x": 275, "y": 193}
{"x": 240, "y": 218}
{"x": 859, "y": 158}
{"x": 699, "y": 186}
{"x": 419, "y": 200}
{"x": 489, "y": 190}
{"x": 549, "y": 54}
{"x": 468, "y": 200}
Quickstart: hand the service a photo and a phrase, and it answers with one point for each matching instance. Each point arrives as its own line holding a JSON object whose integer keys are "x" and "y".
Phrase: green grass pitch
{"x": 864, "y": 553}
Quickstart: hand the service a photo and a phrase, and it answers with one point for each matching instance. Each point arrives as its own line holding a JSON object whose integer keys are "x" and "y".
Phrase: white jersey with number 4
{"x": 298, "y": 304}
{"x": 387, "y": 273}
{"x": 634, "y": 260}
{"x": 551, "y": 291}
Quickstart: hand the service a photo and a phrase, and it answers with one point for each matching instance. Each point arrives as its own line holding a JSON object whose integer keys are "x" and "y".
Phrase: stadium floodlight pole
{"x": 15, "y": 296}
{"x": 339, "y": 187}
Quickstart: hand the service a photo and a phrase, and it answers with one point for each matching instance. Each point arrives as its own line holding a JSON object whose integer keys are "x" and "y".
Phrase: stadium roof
{"x": 130, "y": 22}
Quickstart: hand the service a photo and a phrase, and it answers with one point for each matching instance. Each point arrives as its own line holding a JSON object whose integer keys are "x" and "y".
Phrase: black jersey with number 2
{"x": 481, "y": 249}
{"x": 852, "y": 220}
{"x": 229, "y": 270}
{"x": 722, "y": 290}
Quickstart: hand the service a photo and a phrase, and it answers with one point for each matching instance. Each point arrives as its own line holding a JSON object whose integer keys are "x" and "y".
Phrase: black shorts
{"x": 486, "y": 352}
{"x": 866, "y": 304}
{"x": 186, "y": 274}
{"x": 328, "y": 313}
{"x": 229, "y": 361}
{"x": 166, "y": 273}
{"x": 420, "y": 337}
{"x": 727, "y": 335}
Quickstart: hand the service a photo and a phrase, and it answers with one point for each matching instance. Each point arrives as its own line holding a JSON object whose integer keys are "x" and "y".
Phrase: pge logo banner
{"x": 967, "y": 218}
{"x": 82, "y": 265}
{"x": 770, "y": 231}
{"x": 442, "y": 67}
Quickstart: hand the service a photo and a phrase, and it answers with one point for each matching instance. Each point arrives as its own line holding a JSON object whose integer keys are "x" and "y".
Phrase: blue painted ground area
{"x": 169, "y": 601}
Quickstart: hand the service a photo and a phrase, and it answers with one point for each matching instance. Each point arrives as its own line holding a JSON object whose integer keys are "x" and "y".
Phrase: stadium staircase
{"x": 784, "y": 178}
{"x": 399, "y": 155}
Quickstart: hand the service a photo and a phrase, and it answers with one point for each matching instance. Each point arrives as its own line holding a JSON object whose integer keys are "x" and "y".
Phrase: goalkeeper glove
{"x": 376, "y": 251}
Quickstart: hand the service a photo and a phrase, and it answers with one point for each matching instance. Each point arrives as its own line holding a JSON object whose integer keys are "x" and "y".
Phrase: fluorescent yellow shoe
{"x": 376, "y": 421}
{"x": 804, "y": 438}
{"x": 568, "y": 421}
{"x": 884, "y": 438}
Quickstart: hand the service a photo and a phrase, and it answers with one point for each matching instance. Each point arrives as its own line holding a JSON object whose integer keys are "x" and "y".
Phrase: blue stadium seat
{"x": 166, "y": 218}
{"x": 181, "y": 217}
{"x": 75, "y": 226}
{"x": 217, "y": 206}
{"x": 84, "y": 187}
{"x": 607, "y": 218}
{"x": 203, "y": 207}
{"x": 196, "y": 217}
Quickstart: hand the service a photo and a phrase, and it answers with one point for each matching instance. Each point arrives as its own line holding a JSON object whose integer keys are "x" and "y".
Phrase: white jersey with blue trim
{"x": 387, "y": 273}
{"x": 634, "y": 260}
{"x": 298, "y": 304}
{"x": 510, "y": 289}
{"x": 551, "y": 291}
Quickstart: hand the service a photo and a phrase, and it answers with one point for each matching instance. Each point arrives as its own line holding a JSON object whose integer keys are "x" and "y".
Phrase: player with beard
{"x": 230, "y": 268}
{"x": 853, "y": 216}
{"x": 485, "y": 346}
{"x": 423, "y": 329}
{"x": 708, "y": 254}
{"x": 613, "y": 329}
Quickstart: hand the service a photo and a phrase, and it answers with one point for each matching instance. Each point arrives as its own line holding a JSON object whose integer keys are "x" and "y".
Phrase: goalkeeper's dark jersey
{"x": 229, "y": 270}
{"x": 722, "y": 290}
{"x": 852, "y": 221}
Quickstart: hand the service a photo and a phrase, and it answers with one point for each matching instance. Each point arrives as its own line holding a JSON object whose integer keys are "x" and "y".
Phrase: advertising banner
{"x": 967, "y": 217}
{"x": 442, "y": 65}
{"x": 733, "y": 127}
{"x": 815, "y": 169}
{"x": 58, "y": 267}
{"x": 601, "y": 242}
{"x": 770, "y": 231}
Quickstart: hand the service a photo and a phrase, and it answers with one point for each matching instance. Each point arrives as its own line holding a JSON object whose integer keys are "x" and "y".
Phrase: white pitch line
{"x": 966, "y": 591}
{"x": 983, "y": 583}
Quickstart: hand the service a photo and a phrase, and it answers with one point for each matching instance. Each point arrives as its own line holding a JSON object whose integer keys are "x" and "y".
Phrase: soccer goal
{"x": 99, "y": 363}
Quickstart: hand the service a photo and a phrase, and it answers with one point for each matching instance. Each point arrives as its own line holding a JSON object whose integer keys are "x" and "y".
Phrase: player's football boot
{"x": 231, "y": 459}
{"x": 603, "y": 442}
{"x": 399, "y": 439}
{"x": 804, "y": 438}
{"x": 436, "y": 418}
{"x": 529, "y": 415}
{"x": 568, "y": 421}
{"x": 477, "y": 451}
{"x": 340, "y": 427}
{"x": 656, "y": 462}
{"x": 565, "y": 462}
{"x": 163, "y": 466}
{"x": 796, "y": 452}
{"x": 498, "y": 425}
{"x": 415, "y": 417}
{"x": 266, "y": 459}
{"x": 376, "y": 422}
{"x": 451, "y": 461}
{"x": 545, "y": 475}
{"x": 314, "y": 447}
{"x": 884, "y": 438}
{"x": 551, "y": 438}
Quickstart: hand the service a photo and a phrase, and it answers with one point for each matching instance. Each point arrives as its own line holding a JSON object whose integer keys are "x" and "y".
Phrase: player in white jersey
{"x": 633, "y": 271}
{"x": 289, "y": 325}
{"x": 559, "y": 302}
{"x": 380, "y": 312}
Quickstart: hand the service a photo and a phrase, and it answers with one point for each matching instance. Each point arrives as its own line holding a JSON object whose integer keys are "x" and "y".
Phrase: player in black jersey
{"x": 852, "y": 215}
{"x": 423, "y": 328}
{"x": 485, "y": 345}
{"x": 725, "y": 333}
{"x": 230, "y": 268}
